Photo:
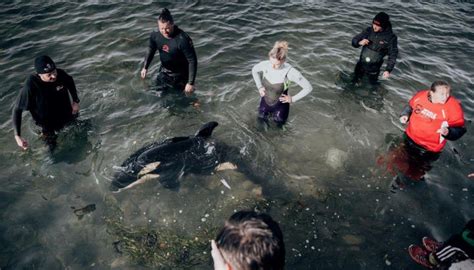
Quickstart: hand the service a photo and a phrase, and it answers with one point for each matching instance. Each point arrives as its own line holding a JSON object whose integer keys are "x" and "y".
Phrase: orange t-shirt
{"x": 427, "y": 118}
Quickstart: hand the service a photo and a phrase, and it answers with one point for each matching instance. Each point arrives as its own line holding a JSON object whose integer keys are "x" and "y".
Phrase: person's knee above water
{"x": 249, "y": 241}
{"x": 273, "y": 83}
{"x": 177, "y": 54}
{"x": 47, "y": 96}
{"x": 434, "y": 116}
{"x": 377, "y": 41}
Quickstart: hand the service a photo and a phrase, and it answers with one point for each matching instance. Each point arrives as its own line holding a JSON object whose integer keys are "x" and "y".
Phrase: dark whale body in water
{"x": 167, "y": 161}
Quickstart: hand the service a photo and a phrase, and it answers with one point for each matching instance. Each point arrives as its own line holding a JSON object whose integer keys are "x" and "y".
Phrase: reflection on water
{"x": 318, "y": 176}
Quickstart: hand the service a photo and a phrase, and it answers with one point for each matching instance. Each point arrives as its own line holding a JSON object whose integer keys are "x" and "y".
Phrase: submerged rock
{"x": 336, "y": 158}
{"x": 351, "y": 239}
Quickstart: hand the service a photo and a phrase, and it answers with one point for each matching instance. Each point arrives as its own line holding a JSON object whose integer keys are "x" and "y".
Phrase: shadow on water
{"x": 368, "y": 95}
{"x": 73, "y": 143}
{"x": 33, "y": 257}
{"x": 176, "y": 102}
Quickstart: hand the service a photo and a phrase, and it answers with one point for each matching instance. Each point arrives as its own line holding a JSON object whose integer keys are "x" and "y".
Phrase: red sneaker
{"x": 431, "y": 245}
{"x": 419, "y": 255}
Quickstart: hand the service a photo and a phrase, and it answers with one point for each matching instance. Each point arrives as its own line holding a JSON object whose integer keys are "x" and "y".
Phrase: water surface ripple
{"x": 318, "y": 175}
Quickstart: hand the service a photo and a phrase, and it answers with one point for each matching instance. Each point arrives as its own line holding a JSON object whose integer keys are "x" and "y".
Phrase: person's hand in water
{"x": 364, "y": 42}
{"x": 261, "y": 91}
{"x": 404, "y": 119}
{"x": 75, "y": 108}
{"x": 285, "y": 99}
{"x": 189, "y": 88}
{"x": 21, "y": 142}
{"x": 386, "y": 74}
{"x": 219, "y": 263}
{"x": 143, "y": 73}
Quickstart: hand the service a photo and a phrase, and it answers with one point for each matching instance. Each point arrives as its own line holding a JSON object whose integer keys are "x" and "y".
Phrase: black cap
{"x": 382, "y": 19}
{"x": 44, "y": 64}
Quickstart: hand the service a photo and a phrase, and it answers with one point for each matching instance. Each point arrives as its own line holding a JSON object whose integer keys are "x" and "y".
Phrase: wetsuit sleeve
{"x": 187, "y": 48}
{"x": 152, "y": 47}
{"x": 359, "y": 37}
{"x": 71, "y": 86}
{"x": 22, "y": 103}
{"x": 455, "y": 133}
{"x": 256, "y": 77}
{"x": 295, "y": 76}
{"x": 407, "y": 111}
{"x": 392, "y": 54}
{"x": 16, "y": 119}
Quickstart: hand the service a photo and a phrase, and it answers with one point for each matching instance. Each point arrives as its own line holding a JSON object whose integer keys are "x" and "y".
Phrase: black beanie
{"x": 382, "y": 19}
{"x": 44, "y": 64}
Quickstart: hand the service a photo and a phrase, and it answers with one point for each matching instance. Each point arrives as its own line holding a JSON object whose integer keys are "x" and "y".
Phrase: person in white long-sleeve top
{"x": 273, "y": 77}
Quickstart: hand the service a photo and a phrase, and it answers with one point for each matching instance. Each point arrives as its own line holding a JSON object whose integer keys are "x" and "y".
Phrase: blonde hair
{"x": 279, "y": 50}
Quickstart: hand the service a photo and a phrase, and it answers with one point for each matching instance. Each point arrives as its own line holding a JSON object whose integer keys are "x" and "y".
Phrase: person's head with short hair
{"x": 381, "y": 22}
{"x": 440, "y": 91}
{"x": 46, "y": 68}
{"x": 166, "y": 23}
{"x": 278, "y": 53}
{"x": 250, "y": 241}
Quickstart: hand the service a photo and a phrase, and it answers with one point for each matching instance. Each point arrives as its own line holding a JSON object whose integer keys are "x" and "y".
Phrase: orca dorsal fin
{"x": 206, "y": 130}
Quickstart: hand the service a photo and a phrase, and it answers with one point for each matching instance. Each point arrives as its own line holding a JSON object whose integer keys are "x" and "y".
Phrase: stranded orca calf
{"x": 167, "y": 161}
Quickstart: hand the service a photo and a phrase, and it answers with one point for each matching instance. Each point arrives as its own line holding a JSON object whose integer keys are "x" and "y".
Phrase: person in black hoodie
{"x": 177, "y": 55}
{"x": 377, "y": 41}
{"x": 51, "y": 97}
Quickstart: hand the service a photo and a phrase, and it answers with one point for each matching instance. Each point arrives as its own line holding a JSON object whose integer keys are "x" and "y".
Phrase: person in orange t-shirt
{"x": 433, "y": 116}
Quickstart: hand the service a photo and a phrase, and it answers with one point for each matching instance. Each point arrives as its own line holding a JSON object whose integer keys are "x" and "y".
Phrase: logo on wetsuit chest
{"x": 425, "y": 112}
{"x": 166, "y": 48}
{"x": 59, "y": 88}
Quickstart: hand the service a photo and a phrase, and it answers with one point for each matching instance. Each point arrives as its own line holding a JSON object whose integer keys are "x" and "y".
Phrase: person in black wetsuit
{"x": 47, "y": 95}
{"x": 177, "y": 55}
{"x": 377, "y": 41}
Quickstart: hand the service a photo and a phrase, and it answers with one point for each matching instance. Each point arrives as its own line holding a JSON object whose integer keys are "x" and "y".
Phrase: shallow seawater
{"x": 318, "y": 176}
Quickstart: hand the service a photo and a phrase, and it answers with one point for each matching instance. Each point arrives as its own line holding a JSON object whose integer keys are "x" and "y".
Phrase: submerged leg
{"x": 281, "y": 113}
{"x": 50, "y": 139}
{"x": 263, "y": 111}
{"x": 358, "y": 73}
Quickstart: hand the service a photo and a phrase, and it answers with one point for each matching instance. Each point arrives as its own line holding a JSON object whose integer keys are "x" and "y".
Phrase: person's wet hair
{"x": 439, "y": 83}
{"x": 279, "y": 50}
{"x": 165, "y": 16}
{"x": 251, "y": 241}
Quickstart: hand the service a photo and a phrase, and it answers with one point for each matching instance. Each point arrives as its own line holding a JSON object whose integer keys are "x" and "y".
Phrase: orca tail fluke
{"x": 206, "y": 130}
